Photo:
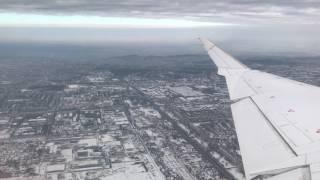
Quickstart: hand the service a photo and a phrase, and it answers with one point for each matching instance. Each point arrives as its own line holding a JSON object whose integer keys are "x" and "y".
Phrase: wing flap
{"x": 256, "y": 137}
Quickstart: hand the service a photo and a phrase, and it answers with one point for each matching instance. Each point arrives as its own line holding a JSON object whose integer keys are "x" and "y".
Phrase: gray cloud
{"x": 246, "y": 11}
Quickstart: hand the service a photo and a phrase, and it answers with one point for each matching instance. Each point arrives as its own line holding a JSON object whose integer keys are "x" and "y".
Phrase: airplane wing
{"x": 277, "y": 120}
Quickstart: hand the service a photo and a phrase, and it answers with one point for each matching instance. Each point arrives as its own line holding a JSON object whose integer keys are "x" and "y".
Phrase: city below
{"x": 124, "y": 118}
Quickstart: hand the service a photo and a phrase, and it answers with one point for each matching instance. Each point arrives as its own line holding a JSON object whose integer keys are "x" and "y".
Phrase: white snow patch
{"x": 185, "y": 91}
{"x": 88, "y": 142}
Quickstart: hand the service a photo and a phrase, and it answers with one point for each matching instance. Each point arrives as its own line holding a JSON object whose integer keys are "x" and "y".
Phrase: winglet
{"x": 221, "y": 58}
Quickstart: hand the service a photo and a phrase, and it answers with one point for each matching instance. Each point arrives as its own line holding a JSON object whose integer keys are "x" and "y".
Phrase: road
{"x": 196, "y": 145}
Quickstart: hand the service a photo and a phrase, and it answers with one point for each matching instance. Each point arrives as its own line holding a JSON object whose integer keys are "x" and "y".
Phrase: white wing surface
{"x": 277, "y": 120}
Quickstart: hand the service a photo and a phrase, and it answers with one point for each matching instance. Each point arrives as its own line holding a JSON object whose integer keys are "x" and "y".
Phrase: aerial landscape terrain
{"x": 149, "y": 90}
{"x": 66, "y": 113}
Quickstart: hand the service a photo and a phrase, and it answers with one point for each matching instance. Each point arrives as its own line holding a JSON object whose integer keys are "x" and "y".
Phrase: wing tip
{"x": 222, "y": 60}
{"x": 207, "y": 44}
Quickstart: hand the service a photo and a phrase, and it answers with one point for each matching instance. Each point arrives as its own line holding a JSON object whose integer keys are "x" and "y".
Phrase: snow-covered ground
{"x": 232, "y": 169}
{"x": 4, "y": 134}
{"x": 150, "y": 112}
{"x": 185, "y": 91}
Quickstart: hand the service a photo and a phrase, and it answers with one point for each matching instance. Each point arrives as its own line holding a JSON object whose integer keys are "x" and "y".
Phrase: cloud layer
{"x": 240, "y": 11}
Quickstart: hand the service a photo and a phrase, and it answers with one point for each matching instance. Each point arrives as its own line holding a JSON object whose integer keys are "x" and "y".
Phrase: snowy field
{"x": 185, "y": 91}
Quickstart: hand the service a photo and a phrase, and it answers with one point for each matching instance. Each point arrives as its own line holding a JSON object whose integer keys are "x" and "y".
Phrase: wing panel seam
{"x": 276, "y": 130}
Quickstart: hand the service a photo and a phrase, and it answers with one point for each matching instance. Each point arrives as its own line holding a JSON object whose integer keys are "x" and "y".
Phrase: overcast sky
{"x": 233, "y": 11}
{"x": 270, "y": 25}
